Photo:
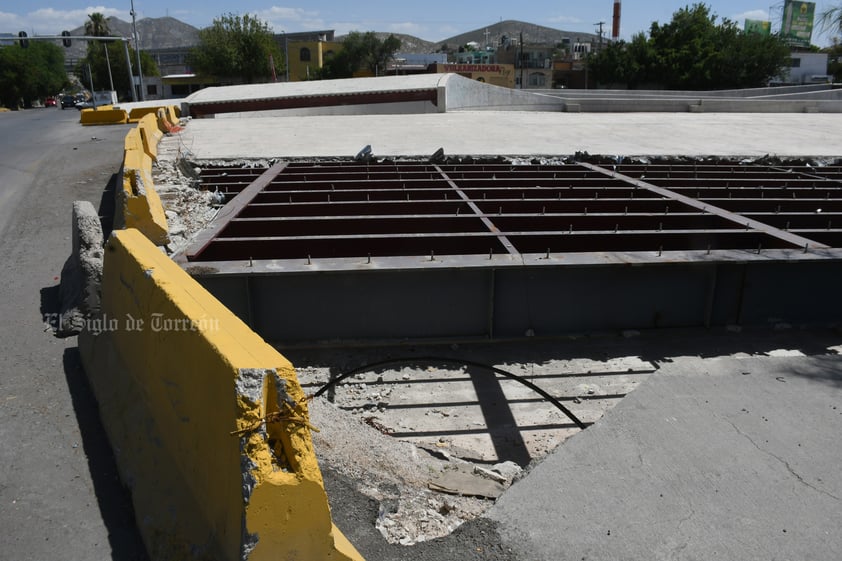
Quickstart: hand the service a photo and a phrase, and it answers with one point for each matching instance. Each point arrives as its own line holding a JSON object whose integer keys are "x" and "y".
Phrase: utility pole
{"x": 137, "y": 54}
{"x": 600, "y": 24}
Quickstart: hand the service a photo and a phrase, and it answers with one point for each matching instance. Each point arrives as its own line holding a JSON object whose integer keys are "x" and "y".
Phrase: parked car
{"x": 85, "y": 104}
{"x": 68, "y": 101}
{"x": 50, "y": 102}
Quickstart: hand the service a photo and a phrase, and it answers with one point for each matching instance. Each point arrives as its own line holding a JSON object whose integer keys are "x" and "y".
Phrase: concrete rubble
{"x": 82, "y": 272}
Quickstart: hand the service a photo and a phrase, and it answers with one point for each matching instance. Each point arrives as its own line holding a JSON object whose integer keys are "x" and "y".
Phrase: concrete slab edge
{"x": 209, "y": 425}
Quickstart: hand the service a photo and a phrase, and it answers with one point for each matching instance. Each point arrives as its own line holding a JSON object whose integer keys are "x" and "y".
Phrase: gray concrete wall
{"x": 464, "y": 94}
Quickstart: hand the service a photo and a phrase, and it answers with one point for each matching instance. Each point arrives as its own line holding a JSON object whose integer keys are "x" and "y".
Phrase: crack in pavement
{"x": 782, "y": 461}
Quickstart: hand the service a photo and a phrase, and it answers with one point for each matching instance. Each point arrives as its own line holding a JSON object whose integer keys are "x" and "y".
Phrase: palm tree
{"x": 831, "y": 19}
{"x": 97, "y": 25}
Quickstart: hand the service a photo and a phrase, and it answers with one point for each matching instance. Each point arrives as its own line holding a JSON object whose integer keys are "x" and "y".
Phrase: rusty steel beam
{"x": 232, "y": 210}
{"x": 788, "y": 237}
{"x": 485, "y": 220}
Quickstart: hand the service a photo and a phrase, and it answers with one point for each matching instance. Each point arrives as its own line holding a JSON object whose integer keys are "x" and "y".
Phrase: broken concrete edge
{"x": 82, "y": 272}
{"x": 104, "y": 115}
{"x": 138, "y": 204}
{"x": 209, "y": 425}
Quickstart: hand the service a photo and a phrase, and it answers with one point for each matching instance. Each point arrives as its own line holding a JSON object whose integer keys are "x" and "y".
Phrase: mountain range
{"x": 158, "y": 33}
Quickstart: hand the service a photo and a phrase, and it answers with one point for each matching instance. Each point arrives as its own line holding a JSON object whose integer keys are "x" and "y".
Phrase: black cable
{"x": 494, "y": 369}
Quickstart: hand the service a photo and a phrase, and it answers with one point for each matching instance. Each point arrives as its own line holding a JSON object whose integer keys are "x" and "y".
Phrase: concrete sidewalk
{"x": 726, "y": 458}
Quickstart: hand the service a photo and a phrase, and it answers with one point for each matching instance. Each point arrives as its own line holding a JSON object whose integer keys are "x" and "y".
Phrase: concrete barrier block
{"x": 137, "y": 202}
{"x": 138, "y": 113}
{"x": 208, "y": 422}
{"x": 141, "y": 206}
{"x": 151, "y": 134}
{"x": 105, "y": 115}
{"x": 133, "y": 140}
{"x": 173, "y": 113}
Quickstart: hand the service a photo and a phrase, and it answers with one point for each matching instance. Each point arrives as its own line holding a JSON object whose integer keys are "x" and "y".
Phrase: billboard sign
{"x": 798, "y": 20}
{"x": 758, "y": 26}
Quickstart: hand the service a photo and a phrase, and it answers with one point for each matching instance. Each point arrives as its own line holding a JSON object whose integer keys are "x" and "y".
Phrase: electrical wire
{"x": 446, "y": 360}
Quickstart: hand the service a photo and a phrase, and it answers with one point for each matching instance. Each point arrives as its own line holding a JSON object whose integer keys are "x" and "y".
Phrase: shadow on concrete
{"x": 655, "y": 346}
{"x": 652, "y": 347}
{"x": 50, "y": 306}
{"x": 106, "y": 206}
{"x": 114, "y": 499}
{"x": 821, "y": 369}
{"x": 502, "y": 425}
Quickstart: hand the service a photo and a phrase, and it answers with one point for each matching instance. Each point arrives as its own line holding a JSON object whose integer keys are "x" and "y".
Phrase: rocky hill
{"x": 532, "y": 34}
{"x": 169, "y": 32}
{"x": 155, "y": 33}
{"x": 409, "y": 43}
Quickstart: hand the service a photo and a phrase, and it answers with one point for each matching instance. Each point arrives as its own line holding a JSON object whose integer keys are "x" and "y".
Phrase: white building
{"x": 807, "y": 68}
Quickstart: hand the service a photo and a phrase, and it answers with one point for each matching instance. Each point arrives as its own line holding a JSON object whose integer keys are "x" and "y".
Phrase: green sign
{"x": 758, "y": 26}
{"x": 798, "y": 22}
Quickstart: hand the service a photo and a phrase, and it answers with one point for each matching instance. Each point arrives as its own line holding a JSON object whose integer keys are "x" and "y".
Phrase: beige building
{"x": 307, "y": 57}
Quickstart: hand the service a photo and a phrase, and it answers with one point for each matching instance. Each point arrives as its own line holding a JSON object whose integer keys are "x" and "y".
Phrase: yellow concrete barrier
{"x": 104, "y": 115}
{"x": 151, "y": 134}
{"x": 208, "y": 422}
{"x": 173, "y": 113}
{"x": 137, "y": 202}
{"x": 138, "y": 113}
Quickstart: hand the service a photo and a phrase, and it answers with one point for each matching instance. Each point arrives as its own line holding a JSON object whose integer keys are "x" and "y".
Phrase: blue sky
{"x": 432, "y": 20}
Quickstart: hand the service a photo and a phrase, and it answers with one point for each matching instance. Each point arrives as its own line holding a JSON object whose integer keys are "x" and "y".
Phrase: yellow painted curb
{"x": 209, "y": 424}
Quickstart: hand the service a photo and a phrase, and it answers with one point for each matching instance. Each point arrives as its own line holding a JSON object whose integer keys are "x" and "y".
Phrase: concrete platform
{"x": 516, "y": 133}
{"x": 726, "y": 458}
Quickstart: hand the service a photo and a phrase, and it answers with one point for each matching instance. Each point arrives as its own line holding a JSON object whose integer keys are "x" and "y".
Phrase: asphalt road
{"x": 59, "y": 494}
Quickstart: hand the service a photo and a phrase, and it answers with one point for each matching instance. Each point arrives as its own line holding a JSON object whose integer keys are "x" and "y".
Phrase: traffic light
{"x": 24, "y": 42}
{"x": 65, "y": 41}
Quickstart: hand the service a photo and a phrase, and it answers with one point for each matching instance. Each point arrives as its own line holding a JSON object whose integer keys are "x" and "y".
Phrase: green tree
{"x": 834, "y": 60}
{"x": 31, "y": 73}
{"x": 236, "y": 47}
{"x": 693, "y": 52}
{"x": 116, "y": 60}
{"x": 361, "y": 52}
